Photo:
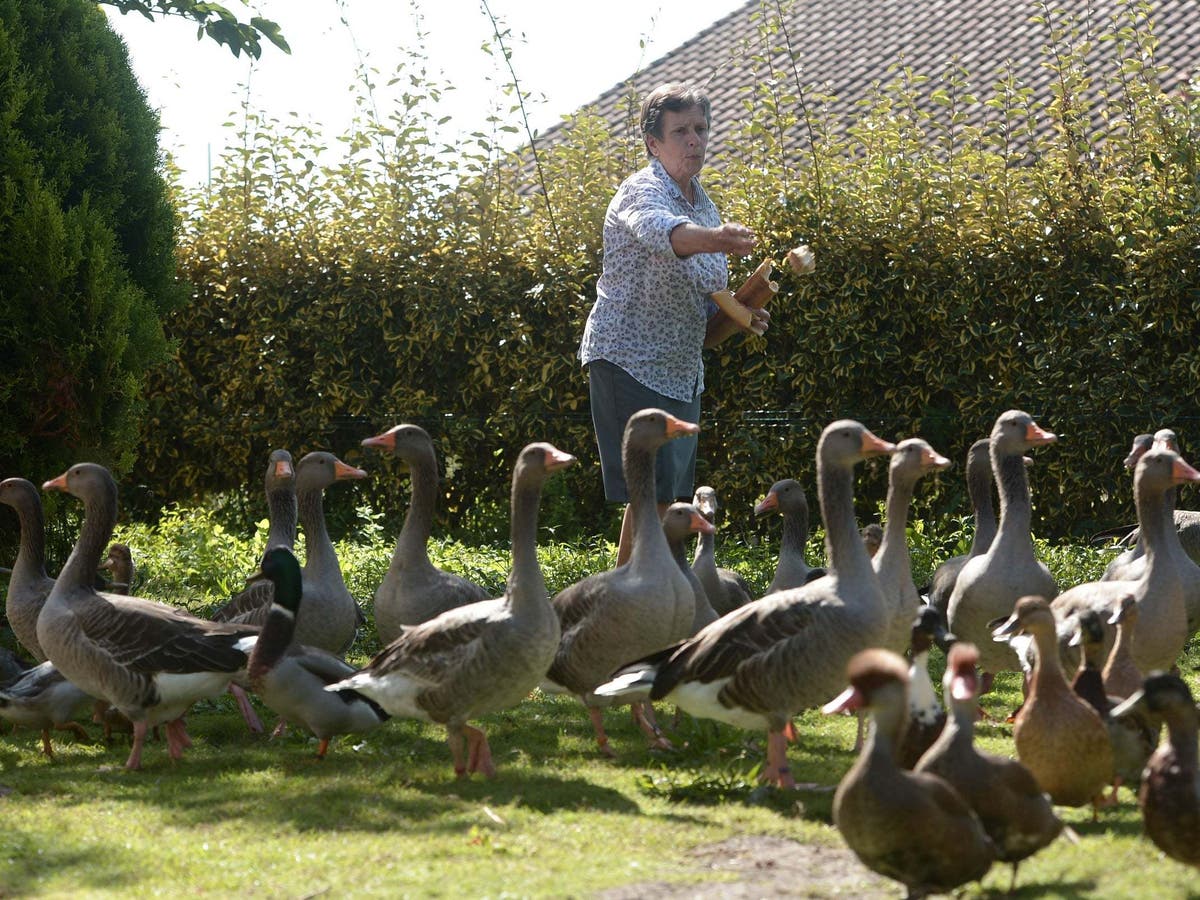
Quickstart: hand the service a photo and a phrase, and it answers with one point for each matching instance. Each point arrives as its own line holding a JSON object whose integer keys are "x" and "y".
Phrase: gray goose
{"x": 251, "y": 606}
{"x": 291, "y": 678}
{"x": 641, "y": 606}
{"x": 148, "y": 660}
{"x": 29, "y": 585}
{"x": 725, "y": 589}
{"x": 1010, "y": 804}
{"x": 482, "y": 657}
{"x": 787, "y": 498}
{"x": 1122, "y": 677}
{"x": 42, "y": 699}
{"x": 979, "y": 490}
{"x": 763, "y": 663}
{"x": 913, "y": 827}
{"x": 1183, "y": 560}
{"x": 987, "y": 586}
{"x": 1129, "y": 564}
{"x": 414, "y": 590}
{"x": 680, "y": 522}
{"x": 1162, "y": 619}
{"x": 912, "y": 461}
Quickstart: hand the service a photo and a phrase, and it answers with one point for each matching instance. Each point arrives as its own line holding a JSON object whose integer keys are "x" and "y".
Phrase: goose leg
{"x": 479, "y": 754}
{"x": 75, "y": 728}
{"x": 777, "y": 771}
{"x": 322, "y": 748}
{"x": 597, "y": 717}
{"x": 253, "y": 722}
{"x": 177, "y": 738}
{"x": 643, "y": 715}
{"x": 454, "y": 737}
{"x": 139, "y": 739}
{"x": 46, "y": 748}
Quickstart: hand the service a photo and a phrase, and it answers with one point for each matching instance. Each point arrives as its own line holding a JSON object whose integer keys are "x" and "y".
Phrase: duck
{"x": 913, "y": 827}
{"x": 760, "y": 665}
{"x": 1133, "y": 738}
{"x": 640, "y": 607}
{"x": 29, "y": 585}
{"x": 42, "y": 699}
{"x": 414, "y": 590}
{"x": 482, "y": 657}
{"x": 680, "y": 521}
{"x": 912, "y": 461}
{"x": 926, "y": 717}
{"x": 1121, "y": 674}
{"x": 724, "y": 588}
{"x": 788, "y": 499}
{"x": 149, "y": 660}
{"x": 291, "y": 679}
{"x": 1162, "y": 619}
{"x": 1169, "y": 796}
{"x": 118, "y": 562}
{"x": 1059, "y": 737}
{"x": 1014, "y": 811}
{"x": 989, "y": 585}
{"x": 252, "y": 605}
{"x": 979, "y": 490}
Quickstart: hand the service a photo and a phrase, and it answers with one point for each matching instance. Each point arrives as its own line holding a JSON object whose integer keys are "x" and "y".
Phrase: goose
{"x": 252, "y": 605}
{"x": 1133, "y": 738}
{"x": 42, "y": 699}
{"x": 680, "y": 522}
{"x": 1130, "y": 563}
{"x": 913, "y": 460}
{"x": 725, "y": 589}
{"x": 913, "y": 827}
{"x": 148, "y": 660}
{"x": 761, "y": 664}
{"x": 1059, "y": 737}
{"x": 979, "y": 490}
{"x": 291, "y": 679}
{"x": 1122, "y": 677}
{"x": 641, "y": 606}
{"x": 1186, "y": 566}
{"x": 29, "y": 585}
{"x": 872, "y": 538}
{"x": 414, "y": 590}
{"x": 1011, "y": 806}
{"x": 482, "y": 657}
{"x": 987, "y": 586}
{"x": 925, "y": 714}
{"x": 787, "y": 498}
{"x": 1162, "y": 620}
{"x": 1170, "y": 793}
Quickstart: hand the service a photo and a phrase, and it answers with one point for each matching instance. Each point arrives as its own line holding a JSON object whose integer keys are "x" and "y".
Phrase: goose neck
{"x": 847, "y": 555}
{"x": 31, "y": 552}
{"x": 1015, "y": 505}
{"x": 281, "y": 516}
{"x": 893, "y": 555}
{"x": 99, "y": 520}
{"x": 525, "y": 581}
{"x": 649, "y": 541}
{"x": 311, "y": 507}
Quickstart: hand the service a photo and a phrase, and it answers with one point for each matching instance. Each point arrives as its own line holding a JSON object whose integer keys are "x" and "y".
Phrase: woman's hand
{"x": 688, "y": 239}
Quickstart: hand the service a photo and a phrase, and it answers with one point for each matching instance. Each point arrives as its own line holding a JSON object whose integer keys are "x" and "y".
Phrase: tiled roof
{"x": 843, "y": 47}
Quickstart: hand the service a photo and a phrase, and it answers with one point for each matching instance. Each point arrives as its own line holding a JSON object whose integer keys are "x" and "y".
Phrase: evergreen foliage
{"x": 963, "y": 269}
{"x": 87, "y": 263}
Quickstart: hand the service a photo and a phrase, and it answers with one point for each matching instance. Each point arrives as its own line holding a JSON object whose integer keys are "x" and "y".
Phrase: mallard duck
{"x": 725, "y": 589}
{"x": 910, "y": 826}
{"x": 149, "y": 660}
{"x": 1014, "y": 812}
{"x": 291, "y": 678}
{"x": 42, "y": 699}
{"x": 1170, "y": 793}
{"x": 414, "y": 590}
{"x": 1059, "y": 737}
{"x": 481, "y": 657}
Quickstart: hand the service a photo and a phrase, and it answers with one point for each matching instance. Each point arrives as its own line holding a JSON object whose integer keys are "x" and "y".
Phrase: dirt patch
{"x": 769, "y": 867}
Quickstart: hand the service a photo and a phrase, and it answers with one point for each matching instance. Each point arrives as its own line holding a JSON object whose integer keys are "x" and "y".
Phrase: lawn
{"x": 384, "y": 816}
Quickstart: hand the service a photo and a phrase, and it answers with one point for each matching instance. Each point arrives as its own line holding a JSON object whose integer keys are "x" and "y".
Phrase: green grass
{"x": 384, "y": 816}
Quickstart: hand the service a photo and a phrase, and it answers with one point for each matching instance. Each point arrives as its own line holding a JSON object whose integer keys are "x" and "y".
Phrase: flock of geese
{"x": 921, "y": 804}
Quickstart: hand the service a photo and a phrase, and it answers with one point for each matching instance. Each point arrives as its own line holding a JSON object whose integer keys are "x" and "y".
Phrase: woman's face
{"x": 681, "y": 148}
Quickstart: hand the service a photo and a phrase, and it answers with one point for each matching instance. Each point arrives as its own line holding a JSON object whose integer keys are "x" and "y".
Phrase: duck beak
{"x": 873, "y": 446}
{"x": 1181, "y": 472}
{"x": 557, "y": 459}
{"x": 847, "y": 701}
{"x": 702, "y": 525}
{"x": 766, "y": 504}
{"x": 1036, "y": 435}
{"x": 1076, "y": 639}
{"x": 931, "y": 459}
{"x": 1004, "y": 628}
{"x": 676, "y": 427}
{"x": 342, "y": 471}
{"x": 56, "y": 484}
{"x": 963, "y": 686}
{"x": 385, "y": 441}
{"x": 1128, "y": 705}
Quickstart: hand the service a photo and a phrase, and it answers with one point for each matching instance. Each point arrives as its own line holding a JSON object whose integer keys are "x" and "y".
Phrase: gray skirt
{"x": 615, "y": 395}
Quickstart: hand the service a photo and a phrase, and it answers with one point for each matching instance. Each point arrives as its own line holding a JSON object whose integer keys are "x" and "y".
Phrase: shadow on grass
{"x": 26, "y": 861}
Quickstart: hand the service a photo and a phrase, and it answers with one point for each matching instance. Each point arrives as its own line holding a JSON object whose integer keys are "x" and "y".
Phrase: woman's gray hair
{"x": 674, "y": 96}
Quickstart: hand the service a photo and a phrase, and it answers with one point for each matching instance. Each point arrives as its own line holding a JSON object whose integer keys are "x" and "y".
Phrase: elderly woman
{"x": 664, "y": 255}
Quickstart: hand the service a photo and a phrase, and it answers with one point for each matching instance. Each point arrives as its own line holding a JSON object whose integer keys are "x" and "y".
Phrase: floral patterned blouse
{"x": 652, "y": 307}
